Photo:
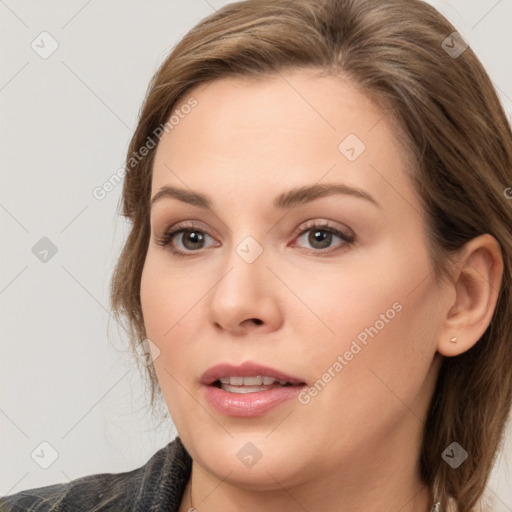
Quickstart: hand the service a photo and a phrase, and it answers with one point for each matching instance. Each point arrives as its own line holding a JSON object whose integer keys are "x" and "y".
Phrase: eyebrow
{"x": 286, "y": 200}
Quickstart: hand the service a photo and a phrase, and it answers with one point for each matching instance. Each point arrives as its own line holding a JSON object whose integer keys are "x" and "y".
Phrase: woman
{"x": 319, "y": 264}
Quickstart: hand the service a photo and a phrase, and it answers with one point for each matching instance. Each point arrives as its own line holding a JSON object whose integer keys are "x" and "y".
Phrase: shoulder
{"x": 157, "y": 485}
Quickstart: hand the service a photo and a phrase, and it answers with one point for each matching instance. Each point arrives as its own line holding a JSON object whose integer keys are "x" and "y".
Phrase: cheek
{"x": 380, "y": 355}
{"x": 171, "y": 307}
{"x": 381, "y": 314}
{"x": 393, "y": 330}
{"x": 162, "y": 311}
{"x": 167, "y": 296}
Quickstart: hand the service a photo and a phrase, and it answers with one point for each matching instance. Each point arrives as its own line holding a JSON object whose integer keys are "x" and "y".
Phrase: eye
{"x": 190, "y": 238}
{"x": 321, "y": 235}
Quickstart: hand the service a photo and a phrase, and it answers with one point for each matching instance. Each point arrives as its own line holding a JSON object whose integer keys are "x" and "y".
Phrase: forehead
{"x": 291, "y": 128}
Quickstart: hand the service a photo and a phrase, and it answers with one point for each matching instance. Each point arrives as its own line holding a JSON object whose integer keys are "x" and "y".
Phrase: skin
{"x": 355, "y": 445}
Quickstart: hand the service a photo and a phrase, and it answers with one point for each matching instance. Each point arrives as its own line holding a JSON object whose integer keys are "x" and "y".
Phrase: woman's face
{"x": 310, "y": 261}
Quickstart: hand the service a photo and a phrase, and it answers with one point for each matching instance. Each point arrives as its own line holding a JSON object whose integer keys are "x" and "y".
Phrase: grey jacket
{"x": 157, "y": 486}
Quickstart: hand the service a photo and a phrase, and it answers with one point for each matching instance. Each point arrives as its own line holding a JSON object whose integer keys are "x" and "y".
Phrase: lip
{"x": 248, "y": 404}
{"x": 247, "y": 369}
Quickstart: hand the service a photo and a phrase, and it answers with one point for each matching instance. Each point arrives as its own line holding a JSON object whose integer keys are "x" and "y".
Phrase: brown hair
{"x": 462, "y": 144}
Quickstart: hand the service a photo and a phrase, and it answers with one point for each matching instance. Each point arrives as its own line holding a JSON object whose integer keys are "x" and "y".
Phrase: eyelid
{"x": 170, "y": 233}
{"x": 347, "y": 239}
{"x": 323, "y": 224}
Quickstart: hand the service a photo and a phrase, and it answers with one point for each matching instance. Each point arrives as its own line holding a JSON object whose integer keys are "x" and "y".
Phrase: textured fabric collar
{"x": 164, "y": 479}
{"x": 157, "y": 486}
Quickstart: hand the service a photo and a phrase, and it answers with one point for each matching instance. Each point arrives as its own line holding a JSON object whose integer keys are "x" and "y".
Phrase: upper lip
{"x": 247, "y": 369}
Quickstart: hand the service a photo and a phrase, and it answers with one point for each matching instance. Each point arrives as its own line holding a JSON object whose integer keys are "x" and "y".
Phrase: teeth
{"x": 243, "y": 389}
{"x": 249, "y": 384}
{"x": 257, "y": 380}
{"x": 253, "y": 381}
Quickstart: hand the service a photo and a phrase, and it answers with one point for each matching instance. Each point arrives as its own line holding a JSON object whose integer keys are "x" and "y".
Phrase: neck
{"x": 231, "y": 499}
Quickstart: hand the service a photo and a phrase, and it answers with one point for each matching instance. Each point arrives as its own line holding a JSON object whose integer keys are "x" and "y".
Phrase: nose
{"x": 246, "y": 296}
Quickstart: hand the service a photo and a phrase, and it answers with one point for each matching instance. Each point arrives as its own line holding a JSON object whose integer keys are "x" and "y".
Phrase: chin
{"x": 249, "y": 460}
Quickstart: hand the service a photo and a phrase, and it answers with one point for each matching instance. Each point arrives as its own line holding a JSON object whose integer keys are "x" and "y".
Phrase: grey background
{"x": 66, "y": 377}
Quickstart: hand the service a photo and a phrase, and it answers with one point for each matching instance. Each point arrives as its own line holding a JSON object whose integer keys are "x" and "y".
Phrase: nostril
{"x": 257, "y": 321}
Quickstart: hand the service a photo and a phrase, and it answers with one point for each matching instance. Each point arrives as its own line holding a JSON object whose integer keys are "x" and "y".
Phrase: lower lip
{"x": 249, "y": 404}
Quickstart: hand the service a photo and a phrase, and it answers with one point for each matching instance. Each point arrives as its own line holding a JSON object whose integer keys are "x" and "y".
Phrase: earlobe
{"x": 477, "y": 276}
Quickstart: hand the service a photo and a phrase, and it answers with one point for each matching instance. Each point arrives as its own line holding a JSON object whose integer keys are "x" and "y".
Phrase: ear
{"x": 475, "y": 284}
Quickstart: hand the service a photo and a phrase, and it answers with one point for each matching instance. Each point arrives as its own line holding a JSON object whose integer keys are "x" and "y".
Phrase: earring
{"x": 454, "y": 340}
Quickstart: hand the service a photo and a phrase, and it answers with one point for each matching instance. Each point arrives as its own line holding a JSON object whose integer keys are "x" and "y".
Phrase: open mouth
{"x": 250, "y": 384}
{"x": 249, "y": 389}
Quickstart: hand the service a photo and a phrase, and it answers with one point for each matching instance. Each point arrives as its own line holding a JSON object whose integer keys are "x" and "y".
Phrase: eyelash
{"x": 186, "y": 227}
